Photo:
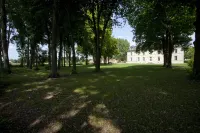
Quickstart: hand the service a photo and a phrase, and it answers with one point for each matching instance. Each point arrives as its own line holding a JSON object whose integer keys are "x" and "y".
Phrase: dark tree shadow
{"x": 121, "y": 99}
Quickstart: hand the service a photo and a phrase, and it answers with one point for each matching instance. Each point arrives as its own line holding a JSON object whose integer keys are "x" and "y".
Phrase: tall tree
{"x": 100, "y": 13}
{"x": 196, "y": 65}
{"x": 123, "y": 47}
{"x": 54, "y": 73}
{"x": 4, "y": 38}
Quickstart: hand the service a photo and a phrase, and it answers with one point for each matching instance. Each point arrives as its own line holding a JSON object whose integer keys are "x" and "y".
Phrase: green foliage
{"x": 109, "y": 45}
{"x": 150, "y": 20}
{"x": 123, "y": 47}
{"x": 191, "y": 62}
{"x": 189, "y": 54}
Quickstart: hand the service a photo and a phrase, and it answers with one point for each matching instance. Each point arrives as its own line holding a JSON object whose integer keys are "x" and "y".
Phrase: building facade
{"x": 155, "y": 57}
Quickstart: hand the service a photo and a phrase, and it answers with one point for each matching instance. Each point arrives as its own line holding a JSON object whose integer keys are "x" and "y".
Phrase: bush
{"x": 190, "y": 63}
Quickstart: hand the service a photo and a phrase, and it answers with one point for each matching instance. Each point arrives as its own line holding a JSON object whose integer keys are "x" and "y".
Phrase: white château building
{"x": 155, "y": 57}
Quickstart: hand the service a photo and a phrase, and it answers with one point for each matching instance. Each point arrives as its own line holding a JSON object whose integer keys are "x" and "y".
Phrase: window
{"x": 175, "y": 58}
{"x": 150, "y": 58}
{"x": 138, "y": 58}
{"x": 158, "y": 58}
{"x": 175, "y": 50}
{"x": 143, "y": 58}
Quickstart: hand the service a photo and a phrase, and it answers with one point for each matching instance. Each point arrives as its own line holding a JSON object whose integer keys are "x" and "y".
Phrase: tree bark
{"x": 22, "y": 62}
{"x": 196, "y": 65}
{"x": 32, "y": 56}
{"x": 86, "y": 59}
{"x": 69, "y": 57}
{"x": 4, "y": 40}
{"x": 54, "y": 73}
{"x": 164, "y": 51}
{"x": 49, "y": 51}
{"x": 60, "y": 53}
{"x": 170, "y": 49}
{"x": 105, "y": 60}
{"x": 73, "y": 58}
{"x": 1, "y": 62}
{"x": 28, "y": 53}
{"x": 36, "y": 58}
{"x": 64, "y": 51}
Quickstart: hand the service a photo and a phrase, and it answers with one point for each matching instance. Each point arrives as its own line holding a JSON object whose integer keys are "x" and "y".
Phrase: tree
{"x": 54, "y": 73}
{"x": 189, "y": 53}
{"x": 3, "y": 36}
{"x": 109, "y": 46}
{"x": 123, "y": 47}
{"x": 196, "y": 65}
{"x": 156, "y": 27}
{"x": 100, "y": 13}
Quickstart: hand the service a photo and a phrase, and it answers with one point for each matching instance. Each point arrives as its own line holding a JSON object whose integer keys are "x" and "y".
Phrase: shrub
{"x": 190, "y": 63}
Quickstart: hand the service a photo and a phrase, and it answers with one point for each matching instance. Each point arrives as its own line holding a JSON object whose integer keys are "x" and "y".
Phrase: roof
{"x": 132, "y": 48}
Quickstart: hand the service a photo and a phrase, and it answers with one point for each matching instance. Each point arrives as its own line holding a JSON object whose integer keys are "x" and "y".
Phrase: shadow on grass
{"x": 121, "y": 99}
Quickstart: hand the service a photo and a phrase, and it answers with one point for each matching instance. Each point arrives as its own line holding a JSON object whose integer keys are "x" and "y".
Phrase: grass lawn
{"x": 123, "y": 98}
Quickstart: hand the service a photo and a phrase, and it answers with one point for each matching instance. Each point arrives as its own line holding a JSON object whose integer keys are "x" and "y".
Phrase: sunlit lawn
{"x": 123, "y": 98}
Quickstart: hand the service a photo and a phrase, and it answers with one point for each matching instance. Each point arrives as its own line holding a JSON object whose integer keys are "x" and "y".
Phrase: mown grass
{"x": 122, "y": 98}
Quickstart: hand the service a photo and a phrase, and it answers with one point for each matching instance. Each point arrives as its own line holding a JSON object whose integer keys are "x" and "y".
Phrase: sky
{"x": 124, "y": 31}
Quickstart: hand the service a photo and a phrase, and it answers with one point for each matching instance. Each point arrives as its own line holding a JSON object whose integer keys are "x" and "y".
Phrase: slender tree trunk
{"x": 196, "y": 65}
{"x": 36, "y": 59}
{"x": 64, "y": 54}
{"x": 32, "y": 55}
{"x": 22, "y": 62}
{"x": 98, "y": 55}
{"x": 8, "y": 34}
{"x": 1, "y": 62}
{"x": 60, "y": 53}
{"x": 86, "y": 59}
{"x": 28, "y": 53}
{"x": 105, "y": 60}
{"x": 108, "y": 60}
{"x": 49, "y": 51}
{"x": 4, "y": 40}
{"x": 73, "y": 58}
{"x": 69, "y": 57}
{"x": 164, "y": 51}
{"x": 54, "y": 73}
{"x": 170, "y": 49}
{"x": 167, "y": 48}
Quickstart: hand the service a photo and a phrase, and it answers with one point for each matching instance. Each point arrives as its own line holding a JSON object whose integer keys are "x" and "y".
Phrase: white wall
{"x": 133, "y": 57}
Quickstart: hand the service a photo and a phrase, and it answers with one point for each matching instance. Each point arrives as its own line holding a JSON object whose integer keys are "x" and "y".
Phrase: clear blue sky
{"x": 124, "y": 31}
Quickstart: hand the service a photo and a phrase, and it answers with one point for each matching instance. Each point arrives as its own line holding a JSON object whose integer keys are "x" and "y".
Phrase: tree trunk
{"x": 4, "y": 40}
{"x": 28, "y": 51}
{"x": 108, "y": 60}
{"x": 73, "y": 58}
{"x": 32, "y": 56}
{"x": 54, "y": 73}
{"x": 86, "y": 59}
{"x": 1, "y": 62}
{"x": 36, "y": 59}
{"x": 170, "y": 49}
{"x": 104, "y": 60}
{"x": 196, "y": 65}
{"x": 64, "y": 51}
{"x": 49, "y": 51}
{"x": 22, "y": 62}
{"x": 164, "y": 51}
{"x": 167, "y": 48}
{"x": 69, "y": 57}
{"x": 60, "y": 53}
